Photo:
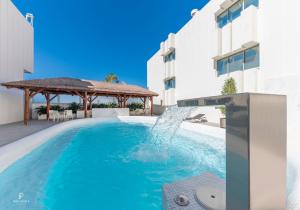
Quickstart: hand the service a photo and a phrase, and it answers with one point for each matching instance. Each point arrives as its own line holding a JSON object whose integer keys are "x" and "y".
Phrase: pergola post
{"x": 119, "y": 101}
{"x": 125, "y": 101}
{"x": 144, "y": 101}
{"x": 85, "y": 104}
{"x": 26, "y": 105}
{"x": 90, "y": 102}
{"x": 47, "y": 96}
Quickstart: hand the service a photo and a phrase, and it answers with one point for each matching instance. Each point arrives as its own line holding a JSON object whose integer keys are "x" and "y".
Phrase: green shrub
{"x": 41, "y": 110}
{"x": 135, "y": 106}
{"x": 57, "y": 108}
{"x": 229, "y": 87}
{"x": 109, "y": 105}
{"x": 74, "y": 107}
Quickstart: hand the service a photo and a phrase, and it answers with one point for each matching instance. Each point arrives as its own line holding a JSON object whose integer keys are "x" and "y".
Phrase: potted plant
{"x": 229, "y": 87}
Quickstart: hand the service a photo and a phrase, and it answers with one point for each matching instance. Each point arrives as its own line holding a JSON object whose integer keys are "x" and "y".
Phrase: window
{"x": 252, "y": 58}
{"x": 169, "y": 57}
{"x": 251, "y": 2}
{"x": 247, "y": 59}
{"x": 235, "y": 10}
{"x": 170, "y": 83}
{"x": 236, "y": 62}
{"x": 222, "y": 66}
{"x": 223, "y": 19}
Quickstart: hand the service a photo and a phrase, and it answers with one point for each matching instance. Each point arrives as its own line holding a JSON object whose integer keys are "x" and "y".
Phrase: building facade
{"x": 256, "y": 42}
{"x": 16, "y": 58}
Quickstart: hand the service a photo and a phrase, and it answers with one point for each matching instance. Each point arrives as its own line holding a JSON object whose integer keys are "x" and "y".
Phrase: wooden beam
{"x": 94, "y": 98}
{"x": 85, "y": 100}
{"x": 51, "y": 99}
{"x": 79, "y": 94}
{"x": 26, "y": 105}
{"x": 33, "y": 93}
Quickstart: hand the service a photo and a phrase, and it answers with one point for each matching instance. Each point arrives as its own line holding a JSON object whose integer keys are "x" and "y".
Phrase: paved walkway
{"x": 15, "y": 131}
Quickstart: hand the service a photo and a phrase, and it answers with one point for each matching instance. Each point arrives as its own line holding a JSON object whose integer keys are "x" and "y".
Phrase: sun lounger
{"x": 199, "y": 118}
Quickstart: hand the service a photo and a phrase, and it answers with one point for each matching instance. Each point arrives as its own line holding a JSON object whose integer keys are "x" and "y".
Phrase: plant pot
{"x": 223, "y": 122}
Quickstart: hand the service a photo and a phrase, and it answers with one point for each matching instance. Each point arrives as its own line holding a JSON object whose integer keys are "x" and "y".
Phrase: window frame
{"x": 170, "y": 83}
{"x": 243, "y": 7}
{"x": 230, "y": 62}
{"x": 255, "y": 62}
{"x": 244, "y": 67}
{"x": 225, "y": 71}
{"x": 169, "y": 57}
{"x": 221, "y": 24}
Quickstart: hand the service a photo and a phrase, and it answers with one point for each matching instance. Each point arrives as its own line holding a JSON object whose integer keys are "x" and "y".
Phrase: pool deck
{"x": 14, "y": 131}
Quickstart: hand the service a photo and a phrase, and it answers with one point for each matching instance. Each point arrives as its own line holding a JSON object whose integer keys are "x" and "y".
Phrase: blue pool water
{"x": 111, "y": 165}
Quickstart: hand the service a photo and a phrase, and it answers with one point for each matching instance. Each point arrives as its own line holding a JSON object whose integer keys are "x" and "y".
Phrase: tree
{"x": 229, "y": 87}
{"x": 111, "y": 78}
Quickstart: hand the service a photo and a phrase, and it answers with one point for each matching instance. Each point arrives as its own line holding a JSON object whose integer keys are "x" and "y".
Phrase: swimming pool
{"x": 107, "y": 165}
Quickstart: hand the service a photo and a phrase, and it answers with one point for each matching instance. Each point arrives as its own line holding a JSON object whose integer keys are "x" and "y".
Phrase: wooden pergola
{"x": 86, "y": 89}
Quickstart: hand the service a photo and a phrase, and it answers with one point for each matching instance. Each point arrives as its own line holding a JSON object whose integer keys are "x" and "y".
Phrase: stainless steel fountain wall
{"x": 256, "y": 139}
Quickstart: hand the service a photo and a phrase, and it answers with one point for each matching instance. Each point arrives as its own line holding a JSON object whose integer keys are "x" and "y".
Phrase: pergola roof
{"x": 69, "y": 85}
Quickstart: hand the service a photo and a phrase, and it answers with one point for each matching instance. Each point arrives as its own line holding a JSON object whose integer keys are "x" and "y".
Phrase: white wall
{"x": 16, "y": 56}
{"x": 110, "y": 112}
{"x": 155, "y": 76}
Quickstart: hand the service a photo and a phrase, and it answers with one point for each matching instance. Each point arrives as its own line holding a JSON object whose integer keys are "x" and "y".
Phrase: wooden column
{"x": 85, "y": 99}
{"x": 47, "y": 96}
{"x": 91, "y": 103}
{"x": 125, "y": 101}
{"x": 26, "y": 105}
{"x": 119, "y": 103}
{"x": 144, "y": 101}
{"x": 151, "y": 100}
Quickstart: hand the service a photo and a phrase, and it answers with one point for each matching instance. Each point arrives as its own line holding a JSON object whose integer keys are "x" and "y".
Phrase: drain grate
{"x": 182, "y": 200}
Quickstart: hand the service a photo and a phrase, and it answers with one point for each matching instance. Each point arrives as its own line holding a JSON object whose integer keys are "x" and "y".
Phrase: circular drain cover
{"x": 181, "y": 200}
{"x": 211, "y": 198}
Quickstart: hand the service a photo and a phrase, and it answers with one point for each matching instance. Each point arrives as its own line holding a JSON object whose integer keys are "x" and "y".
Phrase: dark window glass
{"x": 222, "y": 66}
{"x": 252, "y": 58}
{"x": 251, "y": 2}
{"x": 222, "y": 19}
{"x": 169, "y": 57}
{"x": 169, "y": 84}
{"x": 235, "y": 10}
{"x": 236, "y": 62}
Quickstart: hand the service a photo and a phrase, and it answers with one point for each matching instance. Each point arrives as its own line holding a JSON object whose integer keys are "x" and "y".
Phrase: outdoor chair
{"x": 80, "y": 114}
{"x": 54, "y": 115}
{"x": 68, "y": 115}
{"x": 199, "y": 118}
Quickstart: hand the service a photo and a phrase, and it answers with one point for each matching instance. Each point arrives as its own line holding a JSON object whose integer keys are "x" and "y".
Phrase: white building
{"x": 16, "y": 58}
{"x": 257, "y": 42}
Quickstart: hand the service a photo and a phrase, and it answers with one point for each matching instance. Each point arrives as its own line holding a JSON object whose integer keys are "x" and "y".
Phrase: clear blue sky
{"x": 91, "y": 38}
